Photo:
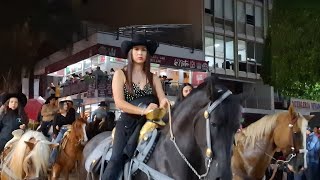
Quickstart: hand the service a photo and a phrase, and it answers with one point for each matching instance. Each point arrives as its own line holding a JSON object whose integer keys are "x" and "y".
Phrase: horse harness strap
{"x": 211, "y": 107}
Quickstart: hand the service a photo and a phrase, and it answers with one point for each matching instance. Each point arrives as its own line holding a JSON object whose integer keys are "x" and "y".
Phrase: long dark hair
{"x": 21, "y": 113}
{"x": 129, "y": 68}
{"x": 180, "y": 95}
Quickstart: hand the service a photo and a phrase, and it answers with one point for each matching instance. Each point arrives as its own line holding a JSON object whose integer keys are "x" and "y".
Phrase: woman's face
{"x": 53, "y": 101}
{"x": 65, "y": 106}
{"x": 186, "y": 90}
{"x": 13, "y": 103}
{"x": 139, "y": 54}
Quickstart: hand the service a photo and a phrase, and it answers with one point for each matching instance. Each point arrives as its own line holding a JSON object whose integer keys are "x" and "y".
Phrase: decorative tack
{"x": 290, "y": 125}
{"x": 206, "y": 114}
{"x": 208, "y": 153}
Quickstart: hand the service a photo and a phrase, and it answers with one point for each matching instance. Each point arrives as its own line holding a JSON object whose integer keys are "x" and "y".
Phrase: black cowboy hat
{"x": 51, "y": 97}
{"x": 139, "y": 39}
{"x": 103, "y": 103}
{"x": 22, "y": 98}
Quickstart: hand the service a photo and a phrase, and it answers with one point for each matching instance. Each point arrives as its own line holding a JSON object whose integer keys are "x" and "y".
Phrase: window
{"x": 242, "y": 52}
{"x": 219, "y": 51}
{"x": 249, "y": 9}
{"x": 228, "y": 9}
{"x": 259, "y": 50}
{"x": 218, "y": 8}
{"x": 207, "y": 6}
{"x": 209, "y": 49}
{"x": 250, "y": 50}
{"x": 258, "y": 16}
{"x": 259, "y": 21}
{"x": 209, "y": 44}
{"x": 229, "y": 48}
{"x": 241, "y": 17}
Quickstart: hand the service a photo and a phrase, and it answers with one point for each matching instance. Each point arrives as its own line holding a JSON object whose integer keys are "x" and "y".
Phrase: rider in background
{"x": 12, "y": 117}
{"x": 60, "y": 125}
{"x": 48, "y": 111}
{"x": 101, "y": 113}
{"x": 313, "y": 147}
{"x": 184, "y": 92}
{"x": 132, "y": 82}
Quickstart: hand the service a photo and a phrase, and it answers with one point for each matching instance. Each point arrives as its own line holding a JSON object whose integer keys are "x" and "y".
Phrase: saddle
{"x": 148, "y": 137}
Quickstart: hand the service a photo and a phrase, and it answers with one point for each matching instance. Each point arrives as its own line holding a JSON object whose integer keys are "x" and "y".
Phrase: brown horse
{"x": 27, "y": 158}
{"x": 70, "y": 150}
{"x": 256, "y": 144}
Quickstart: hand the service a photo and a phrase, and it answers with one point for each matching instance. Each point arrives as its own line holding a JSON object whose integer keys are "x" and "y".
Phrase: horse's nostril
{"x": 218, "y": 178}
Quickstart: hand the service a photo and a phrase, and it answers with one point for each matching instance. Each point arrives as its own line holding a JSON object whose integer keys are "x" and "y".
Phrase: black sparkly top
{"x": 137, "y": 92}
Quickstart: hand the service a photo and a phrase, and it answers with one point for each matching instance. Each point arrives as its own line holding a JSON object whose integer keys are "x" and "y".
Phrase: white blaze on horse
{"x": 27, "y": 157}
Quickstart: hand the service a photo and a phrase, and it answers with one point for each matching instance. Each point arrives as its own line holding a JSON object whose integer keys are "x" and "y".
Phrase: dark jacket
{"x": 60, "y": 120}
{"x": 8, "y": 123}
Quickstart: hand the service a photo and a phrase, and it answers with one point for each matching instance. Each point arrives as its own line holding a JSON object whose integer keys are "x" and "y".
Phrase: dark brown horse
{"x": 256, "y": 144}
{"x": 70, "y": 150}
{"x": 204, "y": 140}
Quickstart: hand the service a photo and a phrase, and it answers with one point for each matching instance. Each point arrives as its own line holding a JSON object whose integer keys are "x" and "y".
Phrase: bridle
{"x": 210, "y": 108}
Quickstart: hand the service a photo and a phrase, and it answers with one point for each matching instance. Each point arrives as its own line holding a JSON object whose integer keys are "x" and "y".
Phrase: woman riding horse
{"x": 132, "y": 82}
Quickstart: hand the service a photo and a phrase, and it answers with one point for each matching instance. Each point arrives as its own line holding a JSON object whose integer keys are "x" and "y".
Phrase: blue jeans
{"x": 54, "y": 153}
{"x": 312, "y": 171}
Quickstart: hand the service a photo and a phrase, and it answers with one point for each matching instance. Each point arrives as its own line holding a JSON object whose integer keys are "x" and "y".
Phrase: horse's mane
{"x": 260, "y": 128}
{"x": 40, "y": 163}
{"x": 18, "y": 153}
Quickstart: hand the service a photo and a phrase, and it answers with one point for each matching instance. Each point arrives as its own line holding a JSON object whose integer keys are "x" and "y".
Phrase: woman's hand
{"x": 22, "y": 126}
{"x": 164, "y": 103}
{"x": 151, "y": 107}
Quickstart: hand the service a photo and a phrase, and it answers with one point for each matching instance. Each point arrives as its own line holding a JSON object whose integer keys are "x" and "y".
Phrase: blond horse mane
{"x": 16, "y": 157}
{"x": 260, "y": 128}
{"x": 40, "y": 163}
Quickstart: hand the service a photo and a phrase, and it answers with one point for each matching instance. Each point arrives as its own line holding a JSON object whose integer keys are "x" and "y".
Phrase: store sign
{"x": 198, "y": 78}
{"x": 311, "y": 106}
{"x": 180, "y": 63}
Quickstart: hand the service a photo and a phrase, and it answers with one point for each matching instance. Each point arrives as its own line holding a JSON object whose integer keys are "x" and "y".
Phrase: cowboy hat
{"x": 139, "y": 39}
{"x": 22, "y": 98}
{"x": 52, "y": 96}
{"x": 67, "y": 99}
{"x": 103, "y": 103}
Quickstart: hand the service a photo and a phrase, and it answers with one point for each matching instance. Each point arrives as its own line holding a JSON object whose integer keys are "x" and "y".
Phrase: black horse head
{"x": 224, "y": 120}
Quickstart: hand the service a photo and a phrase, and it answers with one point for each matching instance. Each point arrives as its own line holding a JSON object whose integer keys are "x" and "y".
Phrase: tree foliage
{"x": 294, "y": 54}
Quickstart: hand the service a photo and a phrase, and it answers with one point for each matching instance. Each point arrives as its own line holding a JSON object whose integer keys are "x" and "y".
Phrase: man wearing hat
{"x": 100, "y": 113}
{"x": 313, "y": 147}
{"x": 13, "y": 116}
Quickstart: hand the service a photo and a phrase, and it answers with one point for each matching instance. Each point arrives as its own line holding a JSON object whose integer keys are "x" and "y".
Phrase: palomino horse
{"x": 256, "y": 144}
{"x": 70, "y": 149}
{"x": 197, "y": 142}
{"x": 27, "y": 158}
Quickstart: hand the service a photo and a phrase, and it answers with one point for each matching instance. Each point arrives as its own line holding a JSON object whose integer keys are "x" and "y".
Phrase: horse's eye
{"x": 213, "y": 124}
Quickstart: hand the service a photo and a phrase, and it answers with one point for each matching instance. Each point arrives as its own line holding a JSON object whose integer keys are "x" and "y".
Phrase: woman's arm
{"x": 118, "y": 83}
{"x": 160, "y": 93}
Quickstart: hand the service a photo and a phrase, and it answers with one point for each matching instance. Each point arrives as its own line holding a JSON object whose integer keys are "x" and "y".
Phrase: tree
{"x": 294, "y": 55}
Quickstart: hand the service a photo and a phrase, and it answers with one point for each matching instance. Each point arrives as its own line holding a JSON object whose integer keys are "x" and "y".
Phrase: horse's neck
{"x": 257, "y": 157}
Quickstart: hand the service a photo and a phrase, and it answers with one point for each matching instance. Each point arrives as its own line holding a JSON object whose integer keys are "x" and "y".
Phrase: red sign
{"x": 198, "y": 78}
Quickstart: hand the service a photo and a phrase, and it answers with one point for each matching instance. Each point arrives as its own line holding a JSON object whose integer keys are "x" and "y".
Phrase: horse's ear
{"x": 53, "y": 145}
{"x": 293, "y": 114}
{"x": 30, "y": 144}
{"x": 308, "y": 117}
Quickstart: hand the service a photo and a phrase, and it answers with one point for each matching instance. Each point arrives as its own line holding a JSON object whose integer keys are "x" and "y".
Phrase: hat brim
{"x": 22, "y": 98}
{"x": 150, "y": 45}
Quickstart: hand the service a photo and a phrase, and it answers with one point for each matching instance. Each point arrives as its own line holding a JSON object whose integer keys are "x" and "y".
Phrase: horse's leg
{"x": 66, "y": 173}
{"x": 56, "y": 169}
